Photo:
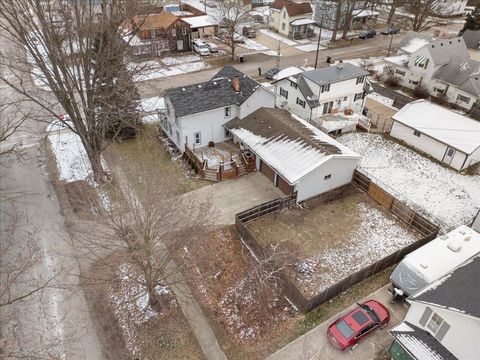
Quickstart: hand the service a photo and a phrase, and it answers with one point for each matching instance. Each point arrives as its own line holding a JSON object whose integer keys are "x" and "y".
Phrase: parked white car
{"x": 200, "y": 48}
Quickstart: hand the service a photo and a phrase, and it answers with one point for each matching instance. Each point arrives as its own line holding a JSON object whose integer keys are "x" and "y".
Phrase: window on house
{"x": 170, "y": 128}
{"x": 345, "y": 98}
{"x": 413, "y": 82}
{"x": 462, "y": 98}
{"x": 184, "y": 31}
{"x": 197, "y": 138}
{"x": 417, "y": 133}
{"x": 300, "y": 102}
{"x": 326, "y": 177}
{"x": 435, "y": 323}
{"x": 176, "y": 120}
{"x": 177, "y": 136}
{"x": 227, "y": 133}
{"x": 292, "y": 84}
{"x": 325, "y": 88}
{"x": 360, "y": 79}
{"x": 441, "y": 91}
{"x": 284, "y": 14}
{"x": 358, "y": 96}
{"x": 400, "y": 72}
{"x": 283, "y": 26}
{"x": 228, "y": 111}
{"x": 168, "y": 110}
{"x": 174, "y": 32}
{"x": 284, "y": 93}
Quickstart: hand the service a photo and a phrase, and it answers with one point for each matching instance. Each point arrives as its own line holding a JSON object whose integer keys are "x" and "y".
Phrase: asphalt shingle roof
{"x": 420, "y": 343}
{"x": 213, "y": 94}
{"x": 464, "y": 74}
{"x": 459, "y": 291}
{"x": 472, "y": 38}
{"x": 331, "y": 74}
{"x": 293, "y": 9}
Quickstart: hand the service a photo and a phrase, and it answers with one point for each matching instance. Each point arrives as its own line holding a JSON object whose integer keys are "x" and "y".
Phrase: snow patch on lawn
{"x": 438, "y": 191}
{"x": 150, "y": 70}
{"x": 309, "y": 47}
{"x": 381, "y": 99}
{"x": 278, "y": 37}
{"x": 253, "y": 45}
{"x": 175, "y": 60}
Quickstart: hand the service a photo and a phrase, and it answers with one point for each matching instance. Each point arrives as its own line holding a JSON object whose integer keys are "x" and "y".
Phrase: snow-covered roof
{"x": 302, "y": 22}
{"x": 446, "y": 126}
{"x": 413, "y": 41}
{"x": 287, "y": 72}
{"x": 398, "y": 59}
{"x": 287, "y": 143}
{"x": 419, "y": 343}
{"x": 366, "y": 13}
{"x": 199, "y": 21}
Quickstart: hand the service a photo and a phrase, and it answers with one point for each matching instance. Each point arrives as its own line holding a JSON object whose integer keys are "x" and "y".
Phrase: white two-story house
{"x": 442, "y": 66}
{"x": 443, "y": 321}
{"x": 195, "y": 114}
{"x": 291, "y": 19}
{"x": 312, "y": 94}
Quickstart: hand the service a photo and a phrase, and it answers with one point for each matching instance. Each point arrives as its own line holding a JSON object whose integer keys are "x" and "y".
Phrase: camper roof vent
{"x": 467, "y": 238}
{"x": 444, "y": 237}
{"x": 424, "y": 266}
{"x": 454, "y": 246}
{"x": 462, "y": 232}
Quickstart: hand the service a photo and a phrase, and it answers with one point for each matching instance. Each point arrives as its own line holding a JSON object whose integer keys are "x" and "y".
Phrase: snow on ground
{"x": 309, "y": 47}
{"x": 150, "y": 70}
{"x": 271, "y": 53}
{"x": 152, "y": 104}
{"x": 253, "y": 45}
{"x": 441, "y": 192}
{"x": 213, "y": 155}
{"x": 327, "y": 34}
{"x": 381, "y": 99}
{"x": 372, "y": 63}
{"x": 375, "y": 237}
{"x": 174, "y": 60}
{"x": 278, "y": 37}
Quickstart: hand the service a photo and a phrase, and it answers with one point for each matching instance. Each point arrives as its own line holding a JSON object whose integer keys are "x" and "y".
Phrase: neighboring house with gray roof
{"x": 195, "y": 114}
{"x": 312, "y": 94}
{"x": 472, "y": 39}
{"x": 442, "y": 66}
{"x": 443, "y": 321}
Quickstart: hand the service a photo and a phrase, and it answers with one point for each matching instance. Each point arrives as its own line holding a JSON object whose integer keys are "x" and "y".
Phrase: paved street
{"x": 315, "y": 346}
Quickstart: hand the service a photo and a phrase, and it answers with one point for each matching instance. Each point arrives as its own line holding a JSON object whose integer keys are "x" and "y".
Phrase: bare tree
{"x": 58, "y": 37}
{"x": 231, "y": 13}
{"x": 425, "y": 14}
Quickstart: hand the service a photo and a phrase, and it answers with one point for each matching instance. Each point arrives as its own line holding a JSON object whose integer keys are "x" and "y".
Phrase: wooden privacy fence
{"x": 296, "y": 297}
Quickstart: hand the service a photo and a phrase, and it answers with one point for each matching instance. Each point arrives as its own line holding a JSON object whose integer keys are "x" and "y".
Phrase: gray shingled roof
{"x": 457, "y": 291}
{"x": 442, "y": 50}
{"x": 420, "y": 343}
{"x": 464, "y": 74}
{"x": 307, "y": 92}
{"x": 215, "y": 93}
{"x": 331, "y": 74}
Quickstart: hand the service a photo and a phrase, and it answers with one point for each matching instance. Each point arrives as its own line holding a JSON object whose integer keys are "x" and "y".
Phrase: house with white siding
{"x": 442, "y": 66}
{"x": 195, "y": 114}
{"x": 291, "y": 19}
{"x": 446, "y": 135}
{"x": 296, "y": 156}
{"x": 443, "y": 321}
{"x": 315, "y": 93}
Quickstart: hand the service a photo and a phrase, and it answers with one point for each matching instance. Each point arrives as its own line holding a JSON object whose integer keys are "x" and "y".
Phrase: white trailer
{"x": 435, "y": 259}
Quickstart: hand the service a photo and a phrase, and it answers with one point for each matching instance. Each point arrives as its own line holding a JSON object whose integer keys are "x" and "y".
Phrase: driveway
{"x": 233, "y": 196}
{"x": 314, "y": 344}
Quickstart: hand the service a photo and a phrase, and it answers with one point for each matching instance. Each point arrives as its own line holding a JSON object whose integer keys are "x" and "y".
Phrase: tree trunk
{"x": 95, "y": 158}
{"x": 391, "y": 13}
{"x": 338, "y": 13}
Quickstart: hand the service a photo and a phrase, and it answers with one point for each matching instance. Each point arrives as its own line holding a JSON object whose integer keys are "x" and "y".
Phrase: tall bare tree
{"x": 58, "y": 38}
{"x": 425, "y": 14}
{"x": 231, "y": 13}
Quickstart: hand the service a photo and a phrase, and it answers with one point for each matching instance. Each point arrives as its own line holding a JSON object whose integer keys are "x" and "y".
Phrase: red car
{"x": 350, "y": 329}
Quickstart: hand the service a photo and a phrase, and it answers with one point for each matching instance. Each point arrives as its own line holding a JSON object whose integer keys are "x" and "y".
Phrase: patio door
{"x": 448, "y": 157}
{"x": 327, "y": 107}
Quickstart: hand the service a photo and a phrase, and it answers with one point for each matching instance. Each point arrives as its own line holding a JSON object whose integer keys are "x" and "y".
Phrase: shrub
{"x": 420, "y": 92}
{"x": 392, "y": 81}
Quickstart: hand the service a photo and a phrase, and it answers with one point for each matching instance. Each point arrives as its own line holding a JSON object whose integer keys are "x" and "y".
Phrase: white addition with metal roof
{"x": 449, "y": 137}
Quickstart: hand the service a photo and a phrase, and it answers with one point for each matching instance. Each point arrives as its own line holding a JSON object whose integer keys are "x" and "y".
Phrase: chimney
{"x": 236, "y": 84}
{"x": 340, "y": 64}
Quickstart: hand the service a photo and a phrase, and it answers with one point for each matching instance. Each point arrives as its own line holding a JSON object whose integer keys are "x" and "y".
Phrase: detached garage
{"x": 449, "y": 137}
{"x": 294, "y": 155}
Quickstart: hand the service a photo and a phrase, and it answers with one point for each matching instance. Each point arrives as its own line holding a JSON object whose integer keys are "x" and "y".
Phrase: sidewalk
{"x": 314, "y": 344}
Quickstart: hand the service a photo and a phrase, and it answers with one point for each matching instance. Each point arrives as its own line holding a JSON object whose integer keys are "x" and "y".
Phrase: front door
{"x": 180, "y": 45}
{"x": 449, "y": 154}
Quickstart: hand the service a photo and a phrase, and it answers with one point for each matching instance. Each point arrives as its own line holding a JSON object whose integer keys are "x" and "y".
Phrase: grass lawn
{"x": 146, "y": 159}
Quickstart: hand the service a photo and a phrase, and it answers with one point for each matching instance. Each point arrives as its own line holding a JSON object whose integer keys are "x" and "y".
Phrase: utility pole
{"x": 318, "y": 43}
{"x": 278, "y": 55}
{"x": 390, "y": 45}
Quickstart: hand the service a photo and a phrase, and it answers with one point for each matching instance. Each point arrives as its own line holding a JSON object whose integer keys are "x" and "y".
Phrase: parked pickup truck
{"x": 249, "y": 32}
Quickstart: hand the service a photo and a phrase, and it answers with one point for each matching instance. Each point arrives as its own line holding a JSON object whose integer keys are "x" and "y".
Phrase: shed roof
{"x": 455, "y": 291}
{"x": 196, "y": 22}
{"x": 288, "y": 144}
{"x": 446, "y": 126}
{"x": 215, "y": 93}
{"x": 293, "y": 9}
{"x": 331, "y": 74}
{"x": 420, "y": 343}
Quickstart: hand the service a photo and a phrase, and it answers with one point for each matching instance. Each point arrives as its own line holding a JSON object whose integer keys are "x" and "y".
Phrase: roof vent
{"x": 444, "y": 237}
{"x": 424, "y": 266}
{"x": 236, "y": 84}
{"x": 454, "y": 246}
{"x": 467, "y": 238}
{"x": 183, "y": 89}
{"x": 340, "y": 64}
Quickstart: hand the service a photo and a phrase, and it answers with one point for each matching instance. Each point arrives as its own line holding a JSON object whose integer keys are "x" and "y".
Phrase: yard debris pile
{"x": 332, "y": 238}
{"x": 440, "y": 193}
{"x": 227, "y": 284}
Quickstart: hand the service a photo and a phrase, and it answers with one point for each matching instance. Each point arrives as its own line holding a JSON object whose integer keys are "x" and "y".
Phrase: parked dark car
{"x": 367, "y": 34}
{"x": 270, "y": 73}
{"x": 390, "y": 31}
{"x": 346, "y": 332}
{"x": 249, "y": 31}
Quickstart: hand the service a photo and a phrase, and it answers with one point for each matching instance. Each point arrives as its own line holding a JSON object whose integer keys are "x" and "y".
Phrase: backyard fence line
{"x": 291, "y": 291}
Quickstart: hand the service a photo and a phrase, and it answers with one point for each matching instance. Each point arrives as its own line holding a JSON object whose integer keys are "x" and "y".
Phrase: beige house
{"x": 292, "y": 19}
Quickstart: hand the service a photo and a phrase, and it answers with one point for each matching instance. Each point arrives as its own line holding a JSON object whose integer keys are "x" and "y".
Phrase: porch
{"x": 221, "y": 161}
{"x": 341, "y": 122}
{"x": 301, "y": 29}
